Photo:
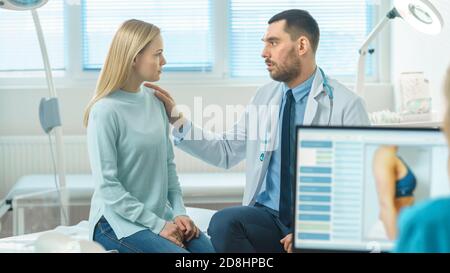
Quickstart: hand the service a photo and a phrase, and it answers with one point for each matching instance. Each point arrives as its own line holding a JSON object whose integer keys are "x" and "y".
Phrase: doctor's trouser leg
{"x": 247, "y": 229}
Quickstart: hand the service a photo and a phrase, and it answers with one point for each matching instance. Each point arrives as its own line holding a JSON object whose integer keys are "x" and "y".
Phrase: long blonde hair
{"x": 130, "y": 39}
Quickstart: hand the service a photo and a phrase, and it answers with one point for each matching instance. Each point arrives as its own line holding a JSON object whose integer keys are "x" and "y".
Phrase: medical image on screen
{"x": 353, "y": 184}
{"x": 396, "y": 177}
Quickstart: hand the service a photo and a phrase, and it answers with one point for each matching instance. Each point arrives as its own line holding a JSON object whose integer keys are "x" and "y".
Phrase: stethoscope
{"x": 328, "y": 91}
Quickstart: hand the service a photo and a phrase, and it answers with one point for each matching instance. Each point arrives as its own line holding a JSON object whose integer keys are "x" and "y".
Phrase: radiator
{"x": 24, "y": 155}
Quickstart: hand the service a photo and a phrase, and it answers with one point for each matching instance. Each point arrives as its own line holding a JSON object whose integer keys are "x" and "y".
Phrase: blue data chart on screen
{"x": 329, "y": 190}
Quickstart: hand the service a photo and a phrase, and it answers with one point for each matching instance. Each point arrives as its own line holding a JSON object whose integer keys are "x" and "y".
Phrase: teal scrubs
{"x": 425, "y": 228}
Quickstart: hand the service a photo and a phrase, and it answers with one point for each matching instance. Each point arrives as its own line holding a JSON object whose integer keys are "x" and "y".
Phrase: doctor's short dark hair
{"x": 299, "y": 23}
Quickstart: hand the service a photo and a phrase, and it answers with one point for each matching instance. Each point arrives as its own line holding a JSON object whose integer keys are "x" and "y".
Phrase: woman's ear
{"x": 135, "y": 60}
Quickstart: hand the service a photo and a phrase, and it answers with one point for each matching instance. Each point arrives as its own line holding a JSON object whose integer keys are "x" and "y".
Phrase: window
{"x": 343, "y": 24}
{"x": 209, "y": 39}
{"x": 185, "y": 25}
{"x": 19, "y": 46}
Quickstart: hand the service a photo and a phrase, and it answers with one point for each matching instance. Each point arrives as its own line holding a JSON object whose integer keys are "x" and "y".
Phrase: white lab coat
{"x": 230, "y": 148}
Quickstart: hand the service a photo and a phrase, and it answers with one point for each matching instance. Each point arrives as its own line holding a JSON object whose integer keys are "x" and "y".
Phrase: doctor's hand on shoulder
{"x": 169, "y": 103}
{"x": 287, "y": 243}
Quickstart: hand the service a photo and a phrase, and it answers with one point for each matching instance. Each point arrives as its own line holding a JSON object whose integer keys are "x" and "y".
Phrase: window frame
{"x": 75, "y": 77}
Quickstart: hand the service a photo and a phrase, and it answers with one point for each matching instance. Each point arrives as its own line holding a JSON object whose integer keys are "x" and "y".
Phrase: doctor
{"x": 302, "y": 94}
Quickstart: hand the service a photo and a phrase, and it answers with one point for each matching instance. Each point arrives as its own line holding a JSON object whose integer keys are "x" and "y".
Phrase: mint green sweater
{"x": 131, "y": 156}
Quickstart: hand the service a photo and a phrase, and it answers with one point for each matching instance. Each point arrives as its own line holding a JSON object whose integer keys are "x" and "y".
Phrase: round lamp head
{"x": 421, "y": 15}
{"x": 22, "y": 4}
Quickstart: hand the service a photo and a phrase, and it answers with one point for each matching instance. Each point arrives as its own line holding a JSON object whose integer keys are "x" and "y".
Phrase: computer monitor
{"x": 336, "y": 197}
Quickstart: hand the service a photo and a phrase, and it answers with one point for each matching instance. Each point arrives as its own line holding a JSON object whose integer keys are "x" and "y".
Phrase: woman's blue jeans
{"x": 145, "y": 241}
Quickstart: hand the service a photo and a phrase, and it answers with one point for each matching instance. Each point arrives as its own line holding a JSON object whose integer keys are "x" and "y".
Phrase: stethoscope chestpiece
{"x": 261, "y": 157}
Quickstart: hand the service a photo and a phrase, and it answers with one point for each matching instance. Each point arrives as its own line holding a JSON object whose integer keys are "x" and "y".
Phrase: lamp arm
{"x": 45, "y": 59}
{"x": 360, "y": 78}
{"x": 60, "y": 162}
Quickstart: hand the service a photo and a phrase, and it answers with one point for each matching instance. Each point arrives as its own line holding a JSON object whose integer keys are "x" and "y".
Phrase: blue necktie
{"x": 287, "y": 160}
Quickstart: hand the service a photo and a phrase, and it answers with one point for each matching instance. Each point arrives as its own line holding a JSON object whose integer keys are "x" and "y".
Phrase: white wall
{"x": 19, "y": 106}
{"x": 413, "y": 51}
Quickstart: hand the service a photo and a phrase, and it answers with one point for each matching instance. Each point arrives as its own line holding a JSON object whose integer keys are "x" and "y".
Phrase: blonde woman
{"x": 425, "y": 227}
{"x": 137, "y": 205}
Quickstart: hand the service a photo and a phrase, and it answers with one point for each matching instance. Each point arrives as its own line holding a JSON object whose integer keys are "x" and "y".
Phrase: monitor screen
{"x": 343, "y": 174}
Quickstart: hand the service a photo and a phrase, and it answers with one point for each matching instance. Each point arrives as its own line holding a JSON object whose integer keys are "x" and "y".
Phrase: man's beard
{"x": 288, "y": 72}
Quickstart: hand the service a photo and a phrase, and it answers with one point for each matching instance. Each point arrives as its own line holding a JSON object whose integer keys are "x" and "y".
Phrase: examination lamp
{"x": 420, "y": 14}
{"x": 22, "y": 4}
{"x": 49, "y": 109}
